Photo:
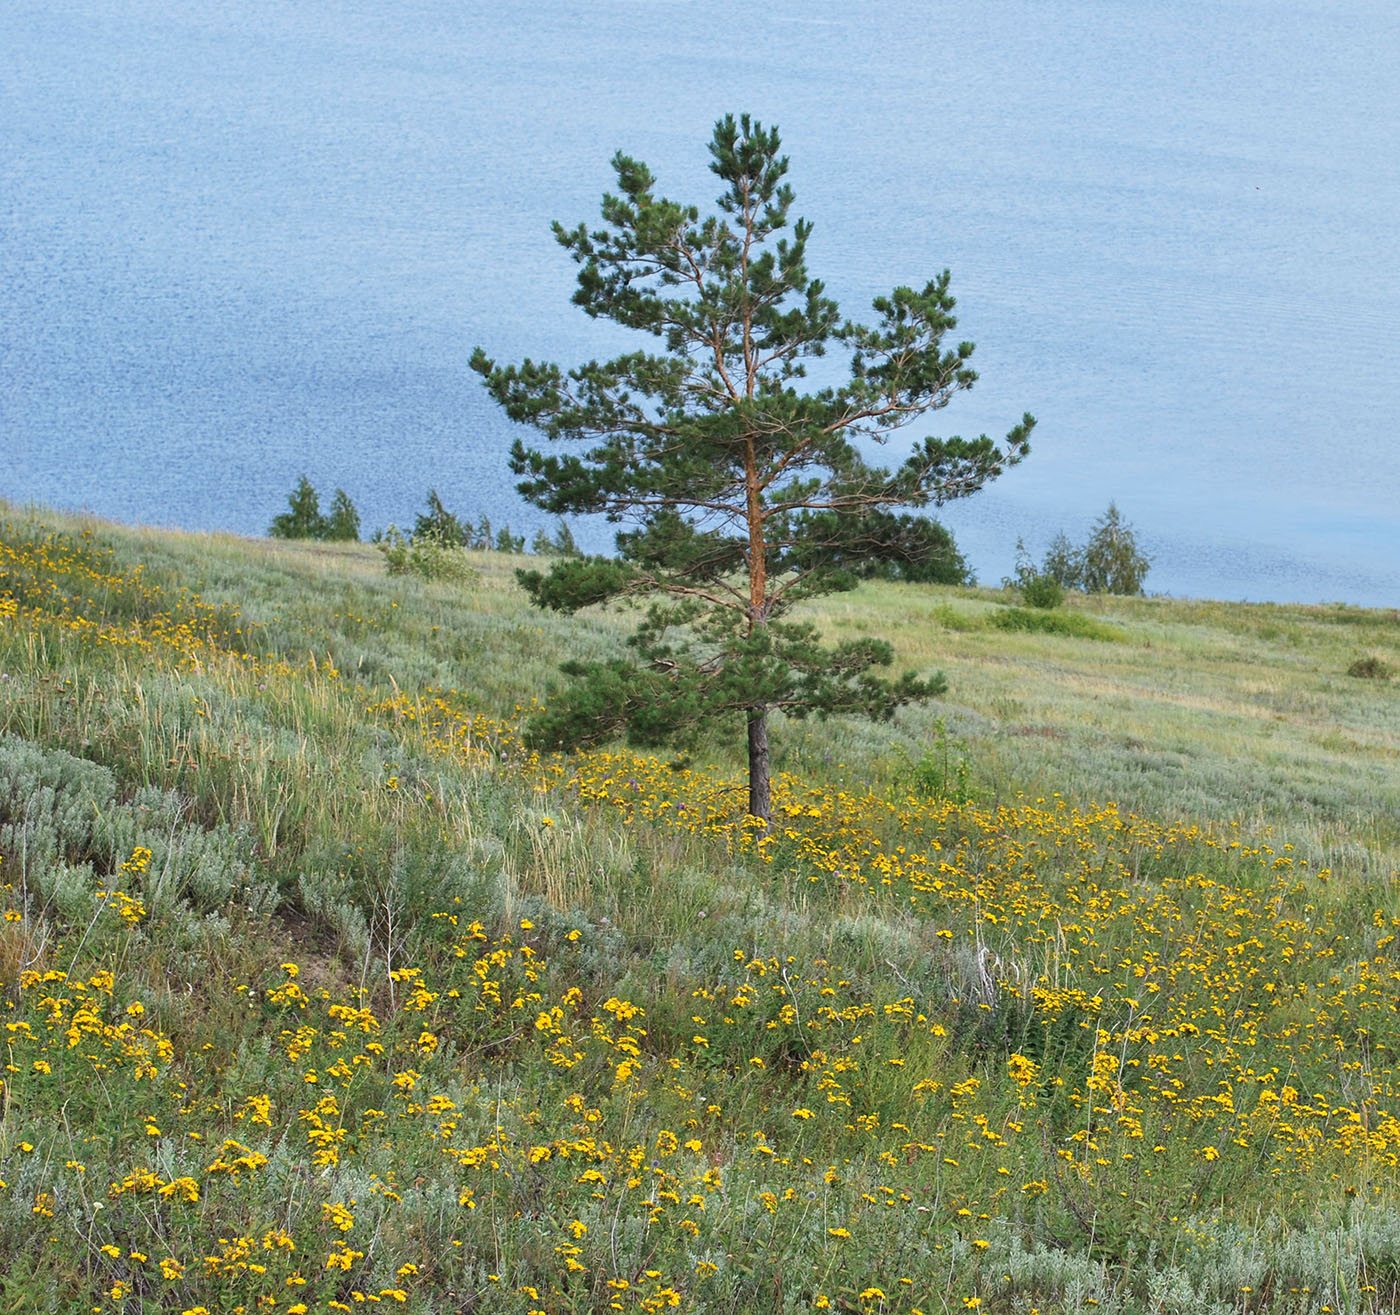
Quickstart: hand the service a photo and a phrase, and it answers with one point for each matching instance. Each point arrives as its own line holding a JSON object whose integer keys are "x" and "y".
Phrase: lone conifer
{"x": 741, "y": 494}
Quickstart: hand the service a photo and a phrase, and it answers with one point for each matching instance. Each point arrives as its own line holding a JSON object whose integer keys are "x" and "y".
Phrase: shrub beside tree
{"x": 442, "y": 526}
{"x": 426, "y": 555}
{"x": 1038, "y": 586}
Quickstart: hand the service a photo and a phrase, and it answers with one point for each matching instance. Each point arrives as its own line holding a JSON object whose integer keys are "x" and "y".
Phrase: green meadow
{"x": 1073, "y": 990}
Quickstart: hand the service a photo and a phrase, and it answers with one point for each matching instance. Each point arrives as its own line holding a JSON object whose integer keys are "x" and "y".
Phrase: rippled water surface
{"x": 242, "y": 242}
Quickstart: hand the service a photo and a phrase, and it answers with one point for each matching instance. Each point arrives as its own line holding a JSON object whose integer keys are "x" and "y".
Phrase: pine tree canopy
{"x": 740, "y": 491}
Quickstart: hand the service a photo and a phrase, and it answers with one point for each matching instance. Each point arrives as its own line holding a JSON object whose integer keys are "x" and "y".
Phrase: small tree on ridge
{"x": 302, "y": 519}
{"x": 343, "y": 523}
{"x": 742, "y": 494}
{"x": 1112, "y": 562}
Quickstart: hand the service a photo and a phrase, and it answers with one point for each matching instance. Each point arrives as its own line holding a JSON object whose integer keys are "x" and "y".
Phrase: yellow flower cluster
{"x": 73, "y": 588}
{"x": 75, "y": 1026}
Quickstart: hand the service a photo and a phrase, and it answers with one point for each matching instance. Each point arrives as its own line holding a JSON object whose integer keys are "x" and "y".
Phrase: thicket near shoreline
{"x": 565, "y": 1035}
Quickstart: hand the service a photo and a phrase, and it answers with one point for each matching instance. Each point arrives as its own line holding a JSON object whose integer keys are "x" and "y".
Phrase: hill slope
{"x": 322, "y": 991}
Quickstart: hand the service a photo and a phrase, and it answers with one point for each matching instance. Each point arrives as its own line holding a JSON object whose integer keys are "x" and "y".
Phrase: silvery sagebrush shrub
{"x": 60, "y": 818}
{"x": 48, "y": 801}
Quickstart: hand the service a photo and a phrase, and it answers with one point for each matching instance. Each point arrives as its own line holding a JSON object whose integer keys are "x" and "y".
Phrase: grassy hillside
{"x": 1074, "y": 991}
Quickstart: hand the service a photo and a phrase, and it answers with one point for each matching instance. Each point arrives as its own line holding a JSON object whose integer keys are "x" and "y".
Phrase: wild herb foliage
{"x": 536, "y": 1033}
{"x": 61, "y": 819}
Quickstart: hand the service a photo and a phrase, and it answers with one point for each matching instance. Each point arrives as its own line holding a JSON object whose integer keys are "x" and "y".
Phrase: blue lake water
{"x": 242, "y": 242}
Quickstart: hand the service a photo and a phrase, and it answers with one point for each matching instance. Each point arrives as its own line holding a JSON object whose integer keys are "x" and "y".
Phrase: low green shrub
{"x": 1370, "y": 668}
{"x": 1042, "y": 586}
{"x": 1040, "y": 621}
{"x": 950, "y": 618}
{"x": 428, "y": 555}
{"x": 1042, "y": 591}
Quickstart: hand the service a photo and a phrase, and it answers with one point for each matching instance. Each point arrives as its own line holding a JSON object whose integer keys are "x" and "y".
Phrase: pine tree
{"x": 343, "y": 523}
{"x": 883, "y": 546}
{"x": 303, "y": 519}
{"x": 742, "y": 494}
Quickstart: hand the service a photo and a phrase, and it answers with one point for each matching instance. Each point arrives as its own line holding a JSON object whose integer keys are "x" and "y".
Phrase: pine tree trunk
{"x": 760, "y": 800}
